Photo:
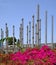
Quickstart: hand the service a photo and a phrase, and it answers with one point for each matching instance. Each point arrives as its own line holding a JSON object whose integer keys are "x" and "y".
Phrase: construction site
{"x": 34, "y": 30}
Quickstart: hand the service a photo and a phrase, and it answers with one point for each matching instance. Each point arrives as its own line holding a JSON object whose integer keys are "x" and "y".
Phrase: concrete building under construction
{"x": 33, "y": 32}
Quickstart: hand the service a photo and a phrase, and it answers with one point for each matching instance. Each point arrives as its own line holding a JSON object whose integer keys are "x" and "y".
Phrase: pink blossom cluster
{"x": 42, "y": 56}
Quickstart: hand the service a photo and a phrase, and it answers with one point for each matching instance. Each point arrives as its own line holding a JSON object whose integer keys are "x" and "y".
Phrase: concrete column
{"x": 2, "y": 35}
{"x": 36, "y": 34}
{"x": 27, "y": 35}
{"x": 40, "y": 32}
{"x": 22, "y": 32}
{"x": 30, "y": 34}
{"x": 13, "y": 36}
{"x": 6, "y": 37}
{"x": 38, "y": 19}
{"x": 52, "y": 32}
{"x": 20, "y": 35}
{"x": 33, "y": 31}
{"x": 46, "y": 27}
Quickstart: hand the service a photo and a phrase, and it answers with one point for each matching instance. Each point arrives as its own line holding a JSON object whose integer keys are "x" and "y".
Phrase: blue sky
{"x": 12, "y": 11}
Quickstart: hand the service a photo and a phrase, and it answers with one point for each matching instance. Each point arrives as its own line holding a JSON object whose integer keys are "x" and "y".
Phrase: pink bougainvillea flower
{"x": 42, "y": 56}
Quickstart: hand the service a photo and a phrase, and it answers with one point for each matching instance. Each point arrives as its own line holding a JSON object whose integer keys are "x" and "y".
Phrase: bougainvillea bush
{"x": 32, "y": 56}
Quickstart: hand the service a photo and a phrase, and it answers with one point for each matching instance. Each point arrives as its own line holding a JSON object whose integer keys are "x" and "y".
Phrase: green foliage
{"x": 10, "y": 40}
{"x": 22, "y": 50}
{"x": 2, "y": 40}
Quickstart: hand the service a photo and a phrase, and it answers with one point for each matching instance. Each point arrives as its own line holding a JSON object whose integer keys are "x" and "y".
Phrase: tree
{"x": 2, "y": 40}
{"x": 10, "y": 40}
